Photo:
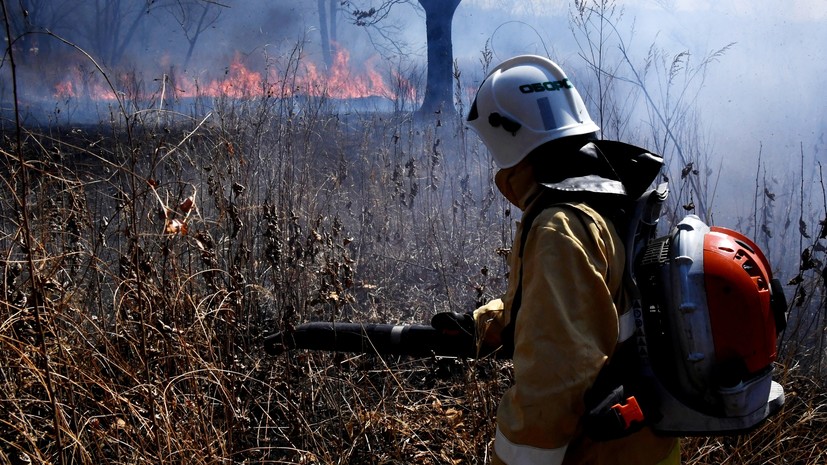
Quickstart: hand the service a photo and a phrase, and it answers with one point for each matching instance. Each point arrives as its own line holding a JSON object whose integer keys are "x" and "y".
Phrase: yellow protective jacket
{"x": 566, "y": 329}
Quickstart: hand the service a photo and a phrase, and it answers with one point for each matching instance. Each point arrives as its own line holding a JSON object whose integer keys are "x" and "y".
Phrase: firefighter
{"x": 562, "y": 311}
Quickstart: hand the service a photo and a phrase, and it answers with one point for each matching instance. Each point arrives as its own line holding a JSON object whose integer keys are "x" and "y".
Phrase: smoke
{"x": 764, "y": 93}
{"x": 762, "y": 101}
{"x": 63, "y": 48}
{"x": 758, "y": 106}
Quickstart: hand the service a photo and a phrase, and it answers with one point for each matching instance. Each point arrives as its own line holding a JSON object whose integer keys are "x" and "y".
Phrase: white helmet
{"x": 523, "y": 103}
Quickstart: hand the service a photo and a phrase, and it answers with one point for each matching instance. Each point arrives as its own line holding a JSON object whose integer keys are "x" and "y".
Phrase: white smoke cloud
{"x": 763, "y": 94}
{"x": 765, "y": 91}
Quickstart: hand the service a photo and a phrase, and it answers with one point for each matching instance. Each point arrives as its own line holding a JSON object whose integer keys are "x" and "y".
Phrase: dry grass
{"x": 143, "y": 262}
{"x": 144, "y": 259}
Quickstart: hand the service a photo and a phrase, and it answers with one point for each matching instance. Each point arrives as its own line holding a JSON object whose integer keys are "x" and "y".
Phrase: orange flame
{"x": 340, "y": 81}
{"x": 239, "y": 82}
{"x": 65, "y": 89}
{"x": 81, "y": 84}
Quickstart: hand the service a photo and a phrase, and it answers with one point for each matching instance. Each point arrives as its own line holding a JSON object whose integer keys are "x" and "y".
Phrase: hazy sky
{"x": 775, "y": 67}
{"x": 765, "y": 93}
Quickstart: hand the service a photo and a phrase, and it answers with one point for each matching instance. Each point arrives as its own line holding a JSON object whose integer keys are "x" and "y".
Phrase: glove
{"x": 455, "y": 324}
{"x": 491, "y": 321}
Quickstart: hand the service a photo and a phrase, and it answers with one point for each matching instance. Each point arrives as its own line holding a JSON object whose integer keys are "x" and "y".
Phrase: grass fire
{"x": 157, "y": 225}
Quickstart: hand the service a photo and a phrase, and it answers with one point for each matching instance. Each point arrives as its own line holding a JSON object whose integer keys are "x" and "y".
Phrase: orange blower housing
{"x": 737, "y": 278}
{"x": 710, "y": 314}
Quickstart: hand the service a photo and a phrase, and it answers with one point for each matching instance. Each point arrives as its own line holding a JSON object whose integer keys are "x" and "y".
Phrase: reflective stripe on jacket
{"x": 566, "y": 330}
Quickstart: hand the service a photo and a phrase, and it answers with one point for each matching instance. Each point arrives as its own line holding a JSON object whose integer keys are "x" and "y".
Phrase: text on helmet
{"x": 545, "y": 86}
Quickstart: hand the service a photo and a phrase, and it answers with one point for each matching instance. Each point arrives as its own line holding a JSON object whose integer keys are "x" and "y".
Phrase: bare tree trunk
{"x": 115, "y": 28}
{"x": 334, "y": 8}
{"x": 439, "y": 15}
{"x": 199, "y": 28}
{"x": 323, "y": 31}
{"x": 127, "y": 39}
